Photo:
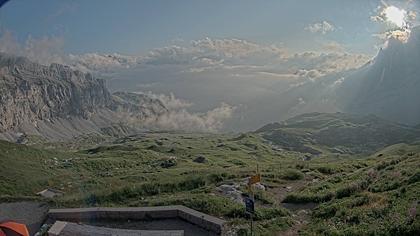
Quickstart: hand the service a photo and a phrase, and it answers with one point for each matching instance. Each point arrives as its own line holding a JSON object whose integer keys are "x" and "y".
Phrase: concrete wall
{"x": 202, "y": 220}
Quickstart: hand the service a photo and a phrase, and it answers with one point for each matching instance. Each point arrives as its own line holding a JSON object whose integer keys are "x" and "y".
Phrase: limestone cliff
{"x": 57, "y": 102}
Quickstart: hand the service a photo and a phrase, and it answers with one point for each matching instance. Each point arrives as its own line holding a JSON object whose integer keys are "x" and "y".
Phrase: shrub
{"x": 216, "y": 177}
{"x": 270, "y": 213}
{"x": 351, "y": 189}
{"x": 200, "y": 159}
{"x": 168, "y": 162}
{"x": 264, "y": 197}
{"x": 326, "y": 170}
{"x": 347, "y": 191}
{"x": 292, "y": 175}
{"x": 325, "y": 212}
{"x": 414, "y": 178}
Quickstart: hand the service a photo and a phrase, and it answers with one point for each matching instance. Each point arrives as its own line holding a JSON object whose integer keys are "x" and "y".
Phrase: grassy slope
{"x": 379, "y": 199}
{"x": 129, "y": 172}
{"x": 26, "y": 170}
{"x": 337, "y": 132}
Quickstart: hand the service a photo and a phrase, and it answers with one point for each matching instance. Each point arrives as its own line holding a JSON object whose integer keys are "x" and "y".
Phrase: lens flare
{"x": 396, "y": 16}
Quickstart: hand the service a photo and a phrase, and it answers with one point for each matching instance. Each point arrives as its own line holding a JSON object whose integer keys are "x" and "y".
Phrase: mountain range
{"x": 57, "y": 102}
{"x": 339, "y": 133}
{"x": 388, "y": 86}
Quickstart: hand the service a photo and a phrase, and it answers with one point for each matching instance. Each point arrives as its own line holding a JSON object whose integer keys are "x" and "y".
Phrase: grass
{"x": 134, "y": 171}
{"x": 380, "y": 199}
{"x": 363, "y": 195}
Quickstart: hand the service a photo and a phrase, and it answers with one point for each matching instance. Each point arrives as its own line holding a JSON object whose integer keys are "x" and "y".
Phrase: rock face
{"x": 57, "y": 102}
{"x": 389, "y": 86}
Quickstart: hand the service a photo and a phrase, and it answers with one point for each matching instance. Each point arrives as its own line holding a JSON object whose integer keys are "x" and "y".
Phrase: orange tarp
{"x": 20, "y": 229}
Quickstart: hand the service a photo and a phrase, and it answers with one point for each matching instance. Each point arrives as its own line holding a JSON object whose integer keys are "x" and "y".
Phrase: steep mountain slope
{"x": 379, "y": 198}
{"x": 337, "y": 132}
{"x": 57, "y": 102}
{"x": 389, "y": 86}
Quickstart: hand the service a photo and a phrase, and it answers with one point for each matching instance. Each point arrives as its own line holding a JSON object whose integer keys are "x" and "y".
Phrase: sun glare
{"x": 396, "y": 16}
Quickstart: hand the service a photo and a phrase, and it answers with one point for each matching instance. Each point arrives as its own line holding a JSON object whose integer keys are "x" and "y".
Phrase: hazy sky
{"x": 135, "y": 26}
{"x": 257, "y": 61}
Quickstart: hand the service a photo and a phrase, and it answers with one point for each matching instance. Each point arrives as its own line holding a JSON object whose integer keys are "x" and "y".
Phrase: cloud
{"x": 323, "y": 27}
{"x": 209, "y": 51}
{"x": 399, "y": 22}
{"x": 333, "y": 46}
{"x": 211, "y": 73}
{"x": 44, "y": 50}
{"x": 101, "y": 62}
{"x": 234, "y": 56}
{"x": 314, "y": 64}
{"x": 179, "y": 118}
{"x": 238, "y": 49}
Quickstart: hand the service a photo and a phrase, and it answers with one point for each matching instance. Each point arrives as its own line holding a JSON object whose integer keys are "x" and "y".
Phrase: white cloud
{"x": 333, "y": 46}
{"x": 315, "y": 64}
{"x": 237, "y": 56}
{"x": 208, "y": 72}
{"x": 323, "y": 27}
{"x": 100, "y": 62}
{"x": 44, "y": 50}
{"x": 399, "y": 22}
{"x": 179, "y": 118}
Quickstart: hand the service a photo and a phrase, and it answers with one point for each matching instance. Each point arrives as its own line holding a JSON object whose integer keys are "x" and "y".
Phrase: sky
{"x": 252, "y": 61}
{"x": 131, "y": 26}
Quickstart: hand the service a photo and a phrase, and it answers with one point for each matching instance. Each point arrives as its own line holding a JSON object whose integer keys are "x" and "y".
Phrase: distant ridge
{"x": 389, "y": 86}
{"x": 58, "y": 103}
{"x": 315, "y": 133}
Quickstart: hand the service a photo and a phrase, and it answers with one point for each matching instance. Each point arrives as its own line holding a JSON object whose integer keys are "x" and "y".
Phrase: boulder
{"x": 200, "y": 159}
{"x": 169, "y": 162}
{"x": 259, "y": 186}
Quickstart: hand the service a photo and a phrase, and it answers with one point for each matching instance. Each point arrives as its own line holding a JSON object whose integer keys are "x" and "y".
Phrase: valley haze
{"x": 292, "y": 117}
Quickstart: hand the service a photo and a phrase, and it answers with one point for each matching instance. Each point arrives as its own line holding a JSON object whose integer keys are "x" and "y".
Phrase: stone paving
{"x": 61, "y": 228}
{"x": 32, "y": 214}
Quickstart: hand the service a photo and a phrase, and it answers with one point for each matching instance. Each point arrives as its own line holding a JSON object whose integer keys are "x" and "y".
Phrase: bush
{"x": 326, "y": 212}
{"x": 200, "y": 159}
{"x": 326, "y": 170}
{"x": 270, "y": 213}
{"x": 292, "y": 175}
{"x": 168, "y": 162}
{"x": 264, "y": 197}
{"x": 414, "y": 178}
{"x": 346, "y": 191}
{"x": 351, "y": 189}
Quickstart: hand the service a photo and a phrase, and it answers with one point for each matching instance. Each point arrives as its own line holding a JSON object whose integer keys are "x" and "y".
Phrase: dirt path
{"x": 300, "y": 212}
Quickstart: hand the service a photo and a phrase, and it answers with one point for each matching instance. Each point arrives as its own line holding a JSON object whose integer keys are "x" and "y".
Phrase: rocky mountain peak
{"x": 34, "y": 97}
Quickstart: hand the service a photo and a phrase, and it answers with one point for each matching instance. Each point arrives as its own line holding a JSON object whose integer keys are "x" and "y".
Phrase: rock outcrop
{"x": 57, "y": 102}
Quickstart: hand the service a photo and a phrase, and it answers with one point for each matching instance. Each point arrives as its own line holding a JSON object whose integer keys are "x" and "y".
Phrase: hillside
{"x": 195, "y": 169}
{"x": 58, "y": 103}
{"x": 381, "y": 198}
{"x": 388, "y": 87}
{"x": 337, "y": 133}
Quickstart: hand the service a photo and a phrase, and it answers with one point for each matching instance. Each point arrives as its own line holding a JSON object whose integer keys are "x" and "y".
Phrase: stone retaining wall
{"x": 202, "y": 220}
